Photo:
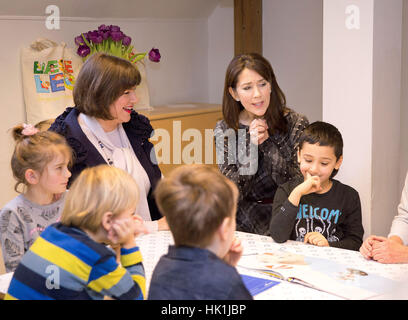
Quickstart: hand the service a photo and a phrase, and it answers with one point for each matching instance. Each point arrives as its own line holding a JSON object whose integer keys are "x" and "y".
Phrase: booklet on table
{"x": 321, "y": 274}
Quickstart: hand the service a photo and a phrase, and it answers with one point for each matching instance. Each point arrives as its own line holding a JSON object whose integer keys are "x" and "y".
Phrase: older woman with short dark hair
{"x": 104, "y": 128}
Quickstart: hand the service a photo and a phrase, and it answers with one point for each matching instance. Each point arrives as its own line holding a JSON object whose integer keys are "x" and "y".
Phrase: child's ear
{"x": 298, "y": 155}
{"x": 338, "y": 163}
{"x": 107, "y": 221}
{"x": 224, "y": 228}
{"x": 31, "y": 176}
{"x": 233, "y": 94}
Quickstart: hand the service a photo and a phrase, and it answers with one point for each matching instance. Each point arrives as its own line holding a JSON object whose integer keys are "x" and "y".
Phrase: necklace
{"x": 108, "y": 159}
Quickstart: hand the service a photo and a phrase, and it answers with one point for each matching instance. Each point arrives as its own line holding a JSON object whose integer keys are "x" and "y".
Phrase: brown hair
{"x": 103, "y": 79}
{"x": 98, "y": 190}
{"x": 35, "y": 151}
{"x": 231, "y": 108}
{"x": 195, "y": 199}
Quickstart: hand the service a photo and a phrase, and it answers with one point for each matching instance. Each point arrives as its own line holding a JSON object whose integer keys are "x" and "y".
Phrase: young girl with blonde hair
{"x": 40, "y": 166}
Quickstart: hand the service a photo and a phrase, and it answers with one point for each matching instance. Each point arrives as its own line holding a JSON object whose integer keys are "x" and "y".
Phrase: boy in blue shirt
{"x": 318, "y": 209}
{"x": 199, "y": 204}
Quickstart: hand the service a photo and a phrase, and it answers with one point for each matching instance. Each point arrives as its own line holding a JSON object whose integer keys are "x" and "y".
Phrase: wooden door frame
{"x": 247, "y": 26}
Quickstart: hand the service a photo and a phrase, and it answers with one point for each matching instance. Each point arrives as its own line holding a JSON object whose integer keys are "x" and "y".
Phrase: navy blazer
{"x": 138, "y": 131}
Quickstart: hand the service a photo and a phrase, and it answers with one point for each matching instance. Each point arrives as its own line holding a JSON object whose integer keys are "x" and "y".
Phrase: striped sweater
{"x": 64, "y": 263}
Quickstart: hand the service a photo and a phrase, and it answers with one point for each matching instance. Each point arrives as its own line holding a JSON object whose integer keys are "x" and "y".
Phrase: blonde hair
{"x": 98, "y": 190}
{"x": 35, "y": 151}
{"x": 195, "y": 200}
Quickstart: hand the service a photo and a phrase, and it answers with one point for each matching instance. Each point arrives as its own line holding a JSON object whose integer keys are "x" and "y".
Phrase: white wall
{"x": 361, "y": 96}
{"x": 220, "y": 47}
{"x": 404, "y": 97}
{"x": 292, "y": 42}
{"x": 347, "y": 93}
{"x": 180, "y": 76}
{"x": 386, "y": 133}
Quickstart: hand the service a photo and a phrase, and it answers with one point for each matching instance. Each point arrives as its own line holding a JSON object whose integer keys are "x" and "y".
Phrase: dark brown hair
{"x": 323, "y": 134}
{"x": 35, "y": 151}
{"x": 231, "y": 108}
{"x": 102, "y": 79}
{"x": 195, "y": 199}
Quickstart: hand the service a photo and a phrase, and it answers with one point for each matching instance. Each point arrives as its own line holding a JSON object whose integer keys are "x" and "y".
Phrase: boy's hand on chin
{"x": 311, "y": 184}
{"x": 235, "y": 252}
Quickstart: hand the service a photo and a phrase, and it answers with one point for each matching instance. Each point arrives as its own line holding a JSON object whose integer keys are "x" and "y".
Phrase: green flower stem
{"x": 114, "y": 48}
{"x": 86, "y": 41}
{"x": 138, "y": 56}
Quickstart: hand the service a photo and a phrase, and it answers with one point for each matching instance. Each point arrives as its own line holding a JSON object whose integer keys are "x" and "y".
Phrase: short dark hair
{"x": 324, "y": 134}
{"x": 102, "y": 79}
{"x": 231, "y": 109}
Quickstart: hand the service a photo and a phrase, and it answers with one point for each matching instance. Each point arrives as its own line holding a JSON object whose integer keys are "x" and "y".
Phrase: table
{"x": 154, "y": 245}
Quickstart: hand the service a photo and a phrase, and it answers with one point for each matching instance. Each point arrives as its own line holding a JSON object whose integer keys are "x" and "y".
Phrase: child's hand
{"x": 316, "y": 238}
{"x": 311, "y": 184}
{"x": 258, "y": 130}
{"x": 124, "y": 231}
{"x": 139, "y": 226}
{"x": 162, "y": 224}
{"x": 235, "y": 252}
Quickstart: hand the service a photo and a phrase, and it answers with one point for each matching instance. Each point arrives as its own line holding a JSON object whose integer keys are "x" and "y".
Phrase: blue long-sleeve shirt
{"x": 187, "y": 273}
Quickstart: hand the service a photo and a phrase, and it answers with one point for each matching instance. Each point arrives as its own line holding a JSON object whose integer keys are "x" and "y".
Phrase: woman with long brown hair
{"x": 257, "y": 140}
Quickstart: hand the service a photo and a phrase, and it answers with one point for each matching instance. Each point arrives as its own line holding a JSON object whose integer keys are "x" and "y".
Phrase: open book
{"x": 257, "y": 285}
{"x": 317, "y": 273}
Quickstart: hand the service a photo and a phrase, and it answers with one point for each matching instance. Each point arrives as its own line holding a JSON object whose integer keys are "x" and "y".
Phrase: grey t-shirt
{"x": 21, "y": 222}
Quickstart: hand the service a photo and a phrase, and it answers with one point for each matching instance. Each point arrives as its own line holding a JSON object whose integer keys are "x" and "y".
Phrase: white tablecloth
{"x": 154, "y": 245}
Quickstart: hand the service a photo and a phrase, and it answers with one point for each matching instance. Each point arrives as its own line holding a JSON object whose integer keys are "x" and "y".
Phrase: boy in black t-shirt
{"x": 318, "y": 209}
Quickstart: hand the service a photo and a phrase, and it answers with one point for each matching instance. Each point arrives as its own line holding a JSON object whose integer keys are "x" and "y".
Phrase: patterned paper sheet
{"x": 154, "y": 245}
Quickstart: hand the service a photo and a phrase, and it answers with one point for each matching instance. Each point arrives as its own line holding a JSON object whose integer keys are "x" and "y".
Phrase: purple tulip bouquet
{"x": 112, "y": 40}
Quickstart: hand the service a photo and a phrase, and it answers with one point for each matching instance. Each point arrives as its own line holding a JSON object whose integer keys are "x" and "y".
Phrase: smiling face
{"x": 318, "y": 161}
{"x": 253, "y": 91}
{"x": 121, "y": 108}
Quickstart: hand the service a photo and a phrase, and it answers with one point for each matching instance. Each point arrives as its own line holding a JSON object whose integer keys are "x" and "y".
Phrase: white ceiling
{"x": 167, "y": 9}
